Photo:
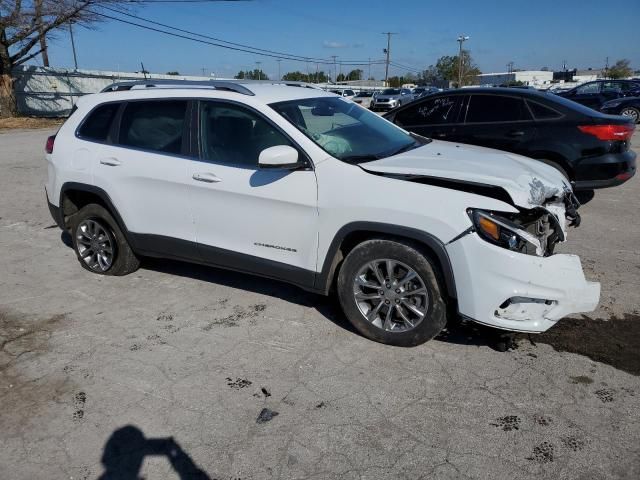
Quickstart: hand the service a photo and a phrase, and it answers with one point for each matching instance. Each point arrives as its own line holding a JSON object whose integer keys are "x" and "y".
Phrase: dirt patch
{"x": 614, "y": 341}
{"x": 29, "y": 123}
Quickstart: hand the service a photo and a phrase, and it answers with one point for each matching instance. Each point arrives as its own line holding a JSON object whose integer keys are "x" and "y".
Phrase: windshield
{"x": 345, "y": 130}
{"x": 391, "y": 91}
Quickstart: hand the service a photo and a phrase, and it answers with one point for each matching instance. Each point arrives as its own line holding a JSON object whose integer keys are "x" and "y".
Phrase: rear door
{"x": 502, "y": 122}
{"x": 259, "y": 220}
{"x": 433, "y": 117}
{"x": 144, "y": 168}
{"x": 588, "y": 94}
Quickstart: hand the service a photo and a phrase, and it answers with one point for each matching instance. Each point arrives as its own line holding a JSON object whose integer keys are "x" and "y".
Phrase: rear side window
{"x": 496, "y": 108}
{"x": 156, "y": 125}
{"x": 542, "y": 112}
{"x": 429, "y": 112}
{"x": 97, "y": 125}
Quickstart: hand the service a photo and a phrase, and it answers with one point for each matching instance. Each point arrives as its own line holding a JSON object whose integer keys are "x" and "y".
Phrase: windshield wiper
{"x": 360, "y": 158}
{"x": 406, "y": 148}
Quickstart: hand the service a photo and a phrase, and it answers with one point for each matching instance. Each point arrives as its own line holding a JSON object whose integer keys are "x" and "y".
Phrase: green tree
{"x": 446, "y": 69}
{"x": 255, "y": 74}
{"x": 621, "y": 69}
{"x": 355, "y": 75}
{"x": 173, "y": 72}
{"x": 297, "y": 76}
{"x": 341, "y": 77}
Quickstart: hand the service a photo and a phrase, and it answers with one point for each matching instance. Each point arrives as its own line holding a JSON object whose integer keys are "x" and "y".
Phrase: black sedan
{"x": 628, "y": 106}
{"x": 594, "y": 94}
{"x": 589, "y": 147}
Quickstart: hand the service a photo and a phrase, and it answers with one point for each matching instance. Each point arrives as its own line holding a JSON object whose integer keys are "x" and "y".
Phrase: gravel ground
{"x": 180, "y": 371}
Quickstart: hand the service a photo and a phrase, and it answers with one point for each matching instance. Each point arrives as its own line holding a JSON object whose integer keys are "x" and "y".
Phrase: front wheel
{"x": 390, "y": 293}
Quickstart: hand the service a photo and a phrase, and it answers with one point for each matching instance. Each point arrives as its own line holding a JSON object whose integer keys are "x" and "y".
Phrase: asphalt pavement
{"x": 181, "y": 371}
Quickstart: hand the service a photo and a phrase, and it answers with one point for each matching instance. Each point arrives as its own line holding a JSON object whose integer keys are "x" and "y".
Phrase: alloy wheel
{"x": 630, "y": 112}
{"x": 391, "y": 295}
{"x": 95, "y": 245}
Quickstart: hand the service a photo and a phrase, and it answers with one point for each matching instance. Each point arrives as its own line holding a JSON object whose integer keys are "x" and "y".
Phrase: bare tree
{"x": 24, "y": 26}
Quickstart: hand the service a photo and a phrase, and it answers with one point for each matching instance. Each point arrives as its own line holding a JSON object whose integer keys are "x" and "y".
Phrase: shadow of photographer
{"x": 127, "y": 448}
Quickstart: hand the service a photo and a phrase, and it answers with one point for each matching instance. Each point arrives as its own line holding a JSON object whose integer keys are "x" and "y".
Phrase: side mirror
{"x": 280, "y": 156}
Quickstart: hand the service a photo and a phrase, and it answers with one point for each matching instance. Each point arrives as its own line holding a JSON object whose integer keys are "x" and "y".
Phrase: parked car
{"x": 391, "y": 98}
{"x": 420, "y": 92}
{"x": 627, "y": 106}
{"x": 298, "y": 185}
{"x": 364, "y": 99}
{"x": 588, "y": 147}
{"x": 595, "y": 94}
{"x": 344, "y": 92}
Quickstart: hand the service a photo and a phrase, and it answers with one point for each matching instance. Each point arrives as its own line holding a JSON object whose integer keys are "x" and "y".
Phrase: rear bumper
{"x": 605, "y": 171}
{"x": 56, "y": 212}
{"x": 518, "y": 292}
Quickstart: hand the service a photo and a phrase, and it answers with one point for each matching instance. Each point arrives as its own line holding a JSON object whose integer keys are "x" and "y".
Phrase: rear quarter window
{"x": 97, "y": 124}
{"x": 542, "y": 112}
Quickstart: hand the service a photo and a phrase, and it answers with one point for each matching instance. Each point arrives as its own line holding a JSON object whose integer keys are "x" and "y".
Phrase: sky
{"x": 533, "y": 35}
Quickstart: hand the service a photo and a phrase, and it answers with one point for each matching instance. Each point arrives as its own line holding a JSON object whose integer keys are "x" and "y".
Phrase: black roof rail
{"x": 238, "y": 86}
{"x": 166, "y": 83}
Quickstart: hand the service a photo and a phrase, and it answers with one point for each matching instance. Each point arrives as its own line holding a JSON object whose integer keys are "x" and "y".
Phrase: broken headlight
{"x": 503, "y": 232}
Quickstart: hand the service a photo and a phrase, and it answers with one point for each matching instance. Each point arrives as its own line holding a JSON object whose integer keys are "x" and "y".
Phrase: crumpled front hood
{"x": 528, "y": 182}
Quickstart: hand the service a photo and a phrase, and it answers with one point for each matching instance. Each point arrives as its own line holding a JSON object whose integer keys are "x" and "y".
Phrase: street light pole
{"x": 388, "y": 52}
{"x": 279, "y": 75}
{"x": 461, "y": 40}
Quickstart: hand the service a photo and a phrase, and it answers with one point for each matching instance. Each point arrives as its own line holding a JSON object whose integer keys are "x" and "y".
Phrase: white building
{"x": 534, "y": 78}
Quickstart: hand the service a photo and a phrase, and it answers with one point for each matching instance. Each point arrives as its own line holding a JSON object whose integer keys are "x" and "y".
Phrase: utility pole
{"x": 510, "y": 67}
{"x": 461, "y": 40}
{"x": 279, "y": 76}
{"x": 335, "y": 69}
{"x": 42, "y": 36}
{"x": 73, "y": 47}
{"x": 388, "y": 52}
{"x": 317, "y": 68}
{"x": 369, "y": 77}
{"x": 259, "y": 71}
{"x": 606, "y": 68}
{"x": 204, "y": 71}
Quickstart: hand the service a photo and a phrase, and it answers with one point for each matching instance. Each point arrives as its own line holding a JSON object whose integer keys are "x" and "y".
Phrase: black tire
{"x": 123, "y": 260}
{"x": 436, "y": 309}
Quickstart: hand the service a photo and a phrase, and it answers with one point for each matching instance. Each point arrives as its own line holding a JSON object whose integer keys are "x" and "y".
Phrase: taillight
{"x": 609, "y": 132}
{"x": 50, "y": 141}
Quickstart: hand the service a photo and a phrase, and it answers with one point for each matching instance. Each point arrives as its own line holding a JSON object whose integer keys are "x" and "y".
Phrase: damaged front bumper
{"x": 515, "y": 291}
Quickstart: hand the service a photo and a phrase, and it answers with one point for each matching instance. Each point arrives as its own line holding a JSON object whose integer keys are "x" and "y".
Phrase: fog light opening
{"x": 524, "y": 308}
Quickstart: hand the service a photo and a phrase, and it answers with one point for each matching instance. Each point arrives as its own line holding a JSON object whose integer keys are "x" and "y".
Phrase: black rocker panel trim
{"x": 167, "y": 247}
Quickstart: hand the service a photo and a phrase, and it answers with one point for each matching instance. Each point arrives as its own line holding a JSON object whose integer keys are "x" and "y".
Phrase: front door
{"x": 258, "y": 220}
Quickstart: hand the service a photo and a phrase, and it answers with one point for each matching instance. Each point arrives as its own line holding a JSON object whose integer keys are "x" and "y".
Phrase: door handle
{"x": 110, "y": 162}
{"x": 206, "y": 177}
{"x": 515, "y": 133}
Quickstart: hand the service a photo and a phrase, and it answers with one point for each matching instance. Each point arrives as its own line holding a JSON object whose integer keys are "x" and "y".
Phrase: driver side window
{"x": 588, "y": 89}
{"x": 234, "y": 135}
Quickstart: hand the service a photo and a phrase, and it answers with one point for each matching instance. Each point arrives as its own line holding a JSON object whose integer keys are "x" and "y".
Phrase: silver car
{"x": 391, "y": 98}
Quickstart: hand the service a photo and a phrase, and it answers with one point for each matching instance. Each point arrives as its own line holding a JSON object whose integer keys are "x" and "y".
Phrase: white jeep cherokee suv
{"x": 300, "y": 185}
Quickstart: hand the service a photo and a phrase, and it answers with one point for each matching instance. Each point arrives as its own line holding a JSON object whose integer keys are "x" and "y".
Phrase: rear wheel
{"x": 390, "y": 292}
{"x": 100, "y": 245}
{"x": 632, "y": 113}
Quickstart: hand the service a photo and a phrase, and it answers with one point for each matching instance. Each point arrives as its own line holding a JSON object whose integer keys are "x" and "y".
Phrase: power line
{"x": 230, "y": 45}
